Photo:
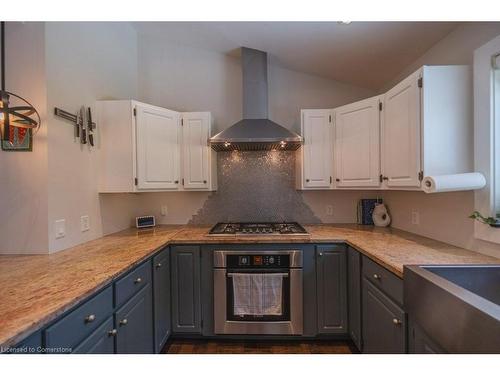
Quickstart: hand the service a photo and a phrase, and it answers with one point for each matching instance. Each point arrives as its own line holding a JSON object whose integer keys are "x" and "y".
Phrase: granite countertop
{"x": 35, "y": 289}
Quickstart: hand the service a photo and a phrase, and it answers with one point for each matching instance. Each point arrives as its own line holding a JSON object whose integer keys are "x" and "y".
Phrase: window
{"x": 487, "y": 134}
{"x": 496, "y": 119}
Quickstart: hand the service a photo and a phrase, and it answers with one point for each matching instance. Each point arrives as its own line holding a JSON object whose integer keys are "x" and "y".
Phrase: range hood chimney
{"x": 255, "y": 132}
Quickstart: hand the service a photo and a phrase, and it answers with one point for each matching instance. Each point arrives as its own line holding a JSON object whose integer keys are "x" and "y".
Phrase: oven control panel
{"x": 258, "y": 261}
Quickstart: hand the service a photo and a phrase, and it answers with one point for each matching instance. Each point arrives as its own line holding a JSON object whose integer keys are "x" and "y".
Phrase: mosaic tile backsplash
{"x": 255, "y": 186}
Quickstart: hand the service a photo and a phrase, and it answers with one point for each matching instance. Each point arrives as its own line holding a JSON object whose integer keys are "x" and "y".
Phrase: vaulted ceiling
{"x": 365, "y": 54}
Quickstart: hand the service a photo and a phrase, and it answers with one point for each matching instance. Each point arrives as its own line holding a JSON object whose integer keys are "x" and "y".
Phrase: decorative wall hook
{"x": 84, "y": 126}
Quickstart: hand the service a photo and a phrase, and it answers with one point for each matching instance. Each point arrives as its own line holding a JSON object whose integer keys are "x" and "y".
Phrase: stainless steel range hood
{"x": 255, "y": 132}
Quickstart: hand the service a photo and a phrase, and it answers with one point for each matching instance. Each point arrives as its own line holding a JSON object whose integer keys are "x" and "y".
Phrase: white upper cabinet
{"x": 427, "y": 126}
{"x": 158, "y": 148}
{"x": 315, "y": 167}
{"x": 401, "y": 134}
{"x": 198, "y": 159}
{"x": 146, "y": 148}
{"x": 357, "y": 140}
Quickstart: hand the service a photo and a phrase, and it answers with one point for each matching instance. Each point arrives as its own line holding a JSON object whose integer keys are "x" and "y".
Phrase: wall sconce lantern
{"x": 18, "y": 117}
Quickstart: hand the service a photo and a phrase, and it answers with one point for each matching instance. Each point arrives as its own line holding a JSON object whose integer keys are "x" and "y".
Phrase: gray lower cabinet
{"x": 185, "y": 278}
{"x": 30, "y": 345}
{"x": 101, "y": 341}
{"x": 134, "y": 324}
{"x": 161, "y": 296}
{"x": 331, "y": 286}
{"x": 383, "y": 322}
{"x": 354, "y": 295}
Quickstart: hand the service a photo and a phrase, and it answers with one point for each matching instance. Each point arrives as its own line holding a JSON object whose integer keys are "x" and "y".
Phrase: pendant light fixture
{"x": 15, "y": 111}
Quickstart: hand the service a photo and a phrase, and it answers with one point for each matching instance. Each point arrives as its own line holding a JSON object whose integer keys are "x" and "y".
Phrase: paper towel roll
{"x": 453, "y": 182}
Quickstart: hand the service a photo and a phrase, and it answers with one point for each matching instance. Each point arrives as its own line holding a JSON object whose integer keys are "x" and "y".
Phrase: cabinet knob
{"x": 90, "y": 318}
{"x": 396, "y": 321}
{"x": 158, "y": 265}
{"x": 337, "y": 179}
{"x": 138, "y": 280}
{"x": 113, "y": 332}
{"x": 123, "y": 322}
{"x": 376, "y": 277}
{"x": 205, "y": 181}
{"x": 320, "y": 254}
{"x": 176, "y": 181}
{"x": 307, "y": 180}
{"x": 385, "y": 178}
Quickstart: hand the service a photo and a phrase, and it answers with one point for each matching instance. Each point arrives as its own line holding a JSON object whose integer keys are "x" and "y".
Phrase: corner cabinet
{"x": 148, "y": 148}
{"x": 315, "y": 166}
{"x": 357, "y": 144}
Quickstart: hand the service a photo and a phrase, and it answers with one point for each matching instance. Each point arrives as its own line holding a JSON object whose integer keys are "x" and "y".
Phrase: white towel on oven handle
{"x": 257, "y": 293}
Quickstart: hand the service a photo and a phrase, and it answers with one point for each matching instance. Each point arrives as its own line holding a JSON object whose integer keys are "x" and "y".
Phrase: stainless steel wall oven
{"x": 258, "y": 292}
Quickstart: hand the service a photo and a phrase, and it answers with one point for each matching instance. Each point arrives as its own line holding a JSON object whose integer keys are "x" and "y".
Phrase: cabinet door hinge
{"x": 136, "y": 181}
{"x": 182, "y": 122}
{"x": 331, "y": 180}
{"x": 381, "y": 178}
{"x": 420, "y": 82}
{"x": 182, "y": 182}
{"x": 330, "y": 119}
{"x": 380, "y": 106}
{"x": 201, "y": 323}
{"x": 135, "y": 112}
{"x": 420, "y": 175}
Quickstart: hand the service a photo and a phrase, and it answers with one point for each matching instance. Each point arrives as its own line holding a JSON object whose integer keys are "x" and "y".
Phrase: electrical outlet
{"x": 329, "y": 210}
{"x": 60, "y": 228}
{"x": 164, "y": 210}
{"x": 415, "y": 217}
{"x": 84, "y": 223}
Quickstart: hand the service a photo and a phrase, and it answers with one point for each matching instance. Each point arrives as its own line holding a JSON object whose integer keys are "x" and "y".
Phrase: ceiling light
{"x": 20, "y": 115}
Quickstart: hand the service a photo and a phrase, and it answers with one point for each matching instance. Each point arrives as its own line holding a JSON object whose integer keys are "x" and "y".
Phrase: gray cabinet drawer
{"x": 131, "y": 283}
{"x": 101, "y": 341}
{"x": 71, "y": 329}
{"x": 383, "y": 279}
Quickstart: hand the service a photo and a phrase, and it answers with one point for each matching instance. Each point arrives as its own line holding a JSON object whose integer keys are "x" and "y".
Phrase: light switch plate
{"x": 60, "y": 228}
{"x": 329, "y": 210}
{"x": 164, "y": 210}
{"x": 84, "y": 223}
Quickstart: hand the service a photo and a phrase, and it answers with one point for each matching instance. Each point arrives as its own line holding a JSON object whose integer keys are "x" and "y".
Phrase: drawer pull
{"x": 396, "y": 321}
{"x": 113, "y": 332}
{"x": 376, "y": 277}
{"x": 90, "y": 318}
{"x": 123, "y": 322}
{"x": 138, "y": 280}
{"x": 158, "y": 265}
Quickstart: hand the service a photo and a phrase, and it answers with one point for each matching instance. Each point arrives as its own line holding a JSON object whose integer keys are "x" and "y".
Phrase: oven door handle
{"x": 231, "y": 274}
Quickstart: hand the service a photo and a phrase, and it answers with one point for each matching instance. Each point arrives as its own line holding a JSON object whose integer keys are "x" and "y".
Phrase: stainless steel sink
{"x": 457, "y": 306}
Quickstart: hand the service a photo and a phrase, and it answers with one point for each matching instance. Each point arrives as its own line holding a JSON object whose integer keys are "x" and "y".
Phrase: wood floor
{"x": 184, "y": 346}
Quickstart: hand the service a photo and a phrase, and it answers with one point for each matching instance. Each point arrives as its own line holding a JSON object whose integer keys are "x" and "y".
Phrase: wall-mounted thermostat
{"x": 145, "y": 221}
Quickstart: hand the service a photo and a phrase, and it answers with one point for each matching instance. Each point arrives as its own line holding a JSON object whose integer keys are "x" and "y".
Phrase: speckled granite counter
{"x": 35, "y": 289}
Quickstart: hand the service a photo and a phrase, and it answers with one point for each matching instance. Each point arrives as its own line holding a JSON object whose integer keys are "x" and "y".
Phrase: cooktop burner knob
{"x": 271, "y": 260}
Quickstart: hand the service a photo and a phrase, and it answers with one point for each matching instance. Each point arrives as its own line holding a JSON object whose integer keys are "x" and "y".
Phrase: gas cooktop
{"x": 257, "y": 228}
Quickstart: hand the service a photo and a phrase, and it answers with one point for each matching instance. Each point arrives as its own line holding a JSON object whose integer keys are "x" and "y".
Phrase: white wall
{"x": 85, "y": 61}
{"x": 190, "y": 79}
{"x": 23, "y": 177}
{"x": 444, "y": 216}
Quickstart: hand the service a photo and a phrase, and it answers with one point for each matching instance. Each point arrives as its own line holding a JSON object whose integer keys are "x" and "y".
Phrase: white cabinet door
{"x": 196, "y": 152}
{"x": 317, "y": 148}
{"x": 357, "y": 158}
{"x": 401, "y": 134}
{"x": 158, "y": 148}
